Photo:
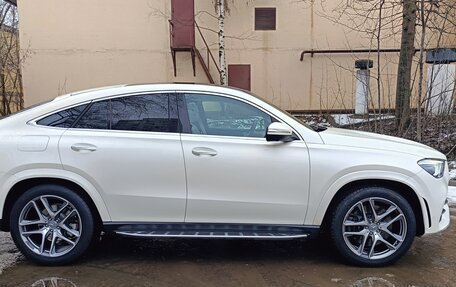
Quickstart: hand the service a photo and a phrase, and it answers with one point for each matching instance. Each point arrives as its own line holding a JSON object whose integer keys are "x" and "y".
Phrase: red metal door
{"x": 239, "y": 76}
{"x": 182, "y": 20}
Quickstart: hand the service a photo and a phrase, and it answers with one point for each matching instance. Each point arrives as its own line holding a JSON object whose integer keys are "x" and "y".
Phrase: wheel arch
{"x": 23, "y": 185}
{"x": 401, "y": 188}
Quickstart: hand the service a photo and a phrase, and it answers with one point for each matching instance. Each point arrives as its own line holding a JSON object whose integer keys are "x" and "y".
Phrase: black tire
{"x": 85, "y": 215}
{"x": 350, "y": 203}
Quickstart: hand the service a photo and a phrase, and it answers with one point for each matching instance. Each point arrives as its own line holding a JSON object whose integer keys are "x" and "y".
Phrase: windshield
{"x": 283, "y": 111}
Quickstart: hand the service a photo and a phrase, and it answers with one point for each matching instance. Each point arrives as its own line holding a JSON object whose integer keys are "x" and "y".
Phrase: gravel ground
{"x": 8, "y": 252}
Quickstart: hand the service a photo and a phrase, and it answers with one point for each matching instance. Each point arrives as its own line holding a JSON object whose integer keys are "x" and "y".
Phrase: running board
{"x": 249, "y": 235}
{"x": 203, "y": 230}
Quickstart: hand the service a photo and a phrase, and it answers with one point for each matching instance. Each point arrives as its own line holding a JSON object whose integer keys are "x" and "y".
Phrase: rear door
{"x": 129, "y": 149}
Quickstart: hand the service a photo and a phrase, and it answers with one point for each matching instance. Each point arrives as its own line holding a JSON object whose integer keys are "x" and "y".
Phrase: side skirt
{"x": 211, "y": 230}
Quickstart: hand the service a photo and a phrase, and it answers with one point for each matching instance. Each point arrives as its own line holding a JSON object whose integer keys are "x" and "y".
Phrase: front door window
{"x": 222, "y": 116}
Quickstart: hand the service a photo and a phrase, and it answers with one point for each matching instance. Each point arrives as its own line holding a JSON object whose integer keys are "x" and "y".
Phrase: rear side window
{"x": 63, "y": 119}
{"x": 151, "y": 113}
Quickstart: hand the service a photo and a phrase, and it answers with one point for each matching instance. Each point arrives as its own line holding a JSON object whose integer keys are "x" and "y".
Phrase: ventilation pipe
{"x": 362, "y": 86}
{"x": 441, "y": 81}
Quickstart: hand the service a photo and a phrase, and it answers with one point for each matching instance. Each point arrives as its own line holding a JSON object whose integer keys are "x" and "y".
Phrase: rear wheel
{"x": 51, "y": 225}
{"x": 373, "y": 226}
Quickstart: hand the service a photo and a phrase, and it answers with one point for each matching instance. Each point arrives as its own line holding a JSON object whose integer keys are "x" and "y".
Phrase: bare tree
{"x": 419, "y": 25}
{"x": 404, "y": 71}
{"x": 10, "y": 61}
{"x": 221, "y": 8}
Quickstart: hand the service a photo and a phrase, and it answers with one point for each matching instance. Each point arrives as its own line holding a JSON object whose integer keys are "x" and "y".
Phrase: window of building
{"x": 62, "y": 119}
{"x": 265, "y": 18}
{"x": 221, "y": 116}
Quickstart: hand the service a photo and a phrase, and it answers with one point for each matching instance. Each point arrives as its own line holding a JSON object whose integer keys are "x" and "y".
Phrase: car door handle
{"x": 204, "y": 151}
{"x": 83, "y": 147}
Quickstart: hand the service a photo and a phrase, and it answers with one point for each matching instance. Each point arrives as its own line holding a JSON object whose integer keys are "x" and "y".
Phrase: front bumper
{"x": 445, "y": 218}
{"x": 432, "y": 194}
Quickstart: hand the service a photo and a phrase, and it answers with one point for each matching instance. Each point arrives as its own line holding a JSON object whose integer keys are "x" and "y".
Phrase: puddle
{"x": 372, "y": 282}
{"x": 53, "y": 282}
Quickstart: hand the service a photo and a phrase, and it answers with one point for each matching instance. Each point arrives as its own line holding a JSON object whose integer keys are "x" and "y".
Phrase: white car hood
{"x": 351, "y": 138}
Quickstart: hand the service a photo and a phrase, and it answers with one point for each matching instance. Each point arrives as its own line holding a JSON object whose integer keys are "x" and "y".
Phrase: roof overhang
{"x": 14, "y": 2}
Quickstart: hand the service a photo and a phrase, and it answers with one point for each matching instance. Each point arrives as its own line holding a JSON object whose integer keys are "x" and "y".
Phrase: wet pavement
{"x": 117, "y": 261}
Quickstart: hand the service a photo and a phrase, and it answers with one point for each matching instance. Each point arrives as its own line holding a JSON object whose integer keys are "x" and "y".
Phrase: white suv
{"x": 176, "y": 160}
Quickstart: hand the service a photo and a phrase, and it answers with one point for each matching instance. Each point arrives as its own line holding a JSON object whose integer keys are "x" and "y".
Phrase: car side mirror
{"x": 280, "y": 132}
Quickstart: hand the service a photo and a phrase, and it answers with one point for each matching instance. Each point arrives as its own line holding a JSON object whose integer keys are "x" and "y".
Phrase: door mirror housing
{"x": 280, "y": 132}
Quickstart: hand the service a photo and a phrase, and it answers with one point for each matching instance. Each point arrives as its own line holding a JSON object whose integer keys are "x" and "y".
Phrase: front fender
{"x": 315, "y": 216}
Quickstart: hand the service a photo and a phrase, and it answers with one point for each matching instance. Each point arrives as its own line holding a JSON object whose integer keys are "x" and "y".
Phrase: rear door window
{"x": 96, "y": 117}
{"x": 147, "y": 113}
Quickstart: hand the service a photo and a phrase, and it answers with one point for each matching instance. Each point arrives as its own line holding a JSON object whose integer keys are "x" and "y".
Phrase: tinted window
{"x": 62, "y": 119}
{"x": 143, "y": 113}
{"x": 214, "y": 115}
{"x": 152, "y": 113}
{"x": 96, "y": 117}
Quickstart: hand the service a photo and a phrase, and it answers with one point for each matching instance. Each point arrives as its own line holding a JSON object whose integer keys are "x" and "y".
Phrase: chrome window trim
{"x": 33, "y": 122}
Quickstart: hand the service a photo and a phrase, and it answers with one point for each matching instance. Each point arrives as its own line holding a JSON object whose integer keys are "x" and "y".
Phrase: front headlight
{"x": 435, "y": 167}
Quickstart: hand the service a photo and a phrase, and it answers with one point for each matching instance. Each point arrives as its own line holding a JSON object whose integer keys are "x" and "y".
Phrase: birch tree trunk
{"x": 221, "y": 34}
{"x": 404, "y": 73}
{"x": 421, "y": 71}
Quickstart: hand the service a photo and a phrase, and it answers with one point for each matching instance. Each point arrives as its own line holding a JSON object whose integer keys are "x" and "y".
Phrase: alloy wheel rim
{"x": 50, "y": 226}
{"x": 374, "y": 228}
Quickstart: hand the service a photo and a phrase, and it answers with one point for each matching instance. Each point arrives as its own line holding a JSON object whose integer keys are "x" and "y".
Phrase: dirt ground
{"x": 120, "y": 261}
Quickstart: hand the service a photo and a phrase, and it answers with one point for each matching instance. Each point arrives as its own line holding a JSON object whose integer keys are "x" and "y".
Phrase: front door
{"x": 129, "y": 148}
{"x": 233, "y": 174}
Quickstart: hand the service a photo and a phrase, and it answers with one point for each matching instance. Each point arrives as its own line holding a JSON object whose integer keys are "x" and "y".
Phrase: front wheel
{"x": 373, "y": 226}
{"x": 51, "y": 225}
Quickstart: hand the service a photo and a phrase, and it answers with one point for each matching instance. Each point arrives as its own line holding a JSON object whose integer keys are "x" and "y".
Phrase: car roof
{"x": 138, "y": 88}
{"x": 87, "y": 96}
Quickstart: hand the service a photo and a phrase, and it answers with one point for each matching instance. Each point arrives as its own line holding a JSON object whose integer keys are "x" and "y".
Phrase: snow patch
{"x": 453, "y": 174}
{"x": 350, "y": 119}
{"x": 452, "y": 194}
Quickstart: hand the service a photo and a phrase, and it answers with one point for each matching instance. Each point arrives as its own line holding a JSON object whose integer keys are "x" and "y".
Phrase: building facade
{"x": 300, "y": 55}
